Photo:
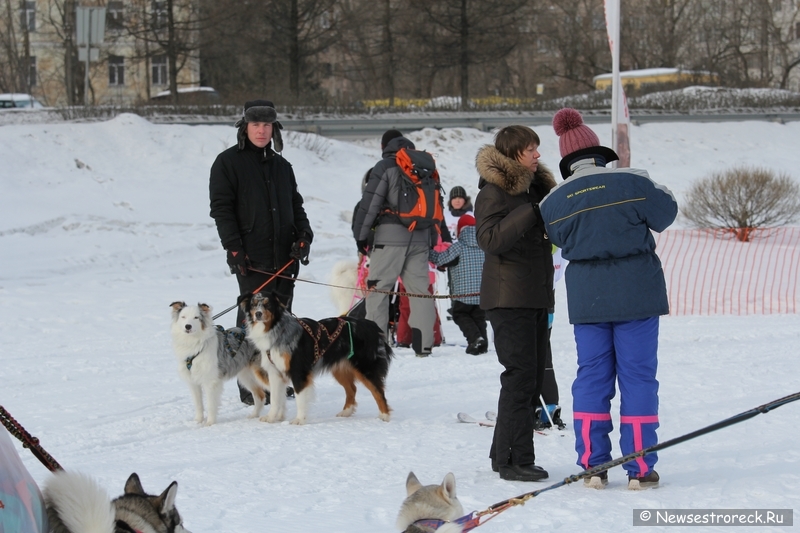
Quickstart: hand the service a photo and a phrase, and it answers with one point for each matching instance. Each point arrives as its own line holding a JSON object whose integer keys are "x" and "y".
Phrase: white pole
{"x": 88, "y": 56}
{"x": 615, "y": 84}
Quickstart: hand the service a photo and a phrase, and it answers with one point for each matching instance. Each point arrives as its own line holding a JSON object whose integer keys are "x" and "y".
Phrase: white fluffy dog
{"x": 344, "y": 276}
{"x": 209, "y": 355}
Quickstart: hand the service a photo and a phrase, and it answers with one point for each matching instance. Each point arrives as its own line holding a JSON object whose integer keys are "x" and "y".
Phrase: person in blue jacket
{"x": 602, "y": 219}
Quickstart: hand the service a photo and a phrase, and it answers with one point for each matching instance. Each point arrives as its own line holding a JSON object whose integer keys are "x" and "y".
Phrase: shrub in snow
{"x": 741, "y": 199}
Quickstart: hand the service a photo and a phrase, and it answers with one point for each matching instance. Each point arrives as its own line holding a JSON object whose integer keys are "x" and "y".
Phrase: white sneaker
{"x": 650, "y": 481}
{"x": 597, "y": 482}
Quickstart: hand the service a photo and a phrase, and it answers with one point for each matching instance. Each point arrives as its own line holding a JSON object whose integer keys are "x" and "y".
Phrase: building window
{"x": 28, "y": 71}
{"x": 159, "y": 15}
{"x": 27, "y": 17}
{"x": 114, "y": 16}
{"x": 116, "y": 70}
{"x": 159, "y": 67}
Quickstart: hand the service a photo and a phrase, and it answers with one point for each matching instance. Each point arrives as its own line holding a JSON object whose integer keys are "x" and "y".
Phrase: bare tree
{"x": 15, "y": 42}
{"x": 468, "y": 33}
{"x": 60, "y": 19}
{"x": 169, "y": 27}
{"x": 301, "y": 30}
{"x": 741, "y": 199}
{"x": 577, "y": 40}
{"x": 653, "y": 32}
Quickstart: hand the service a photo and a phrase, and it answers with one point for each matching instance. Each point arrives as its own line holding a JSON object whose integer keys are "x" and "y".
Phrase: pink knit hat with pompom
{"x": 573, "y": 134}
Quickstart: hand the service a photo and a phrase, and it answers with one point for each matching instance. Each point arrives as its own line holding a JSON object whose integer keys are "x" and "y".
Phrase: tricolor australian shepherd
{"x": 208, "y": 356}
{"x": 295, "y": 349}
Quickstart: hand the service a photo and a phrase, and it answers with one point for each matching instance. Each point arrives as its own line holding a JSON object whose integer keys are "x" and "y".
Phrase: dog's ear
{"x": 449, "y": 487}
{"x": 134, "y": 486}
{"x": 244, "y": 299}
{"x": 177, "y": 306}
{"x": 412, "y": 484}
{"x": 166, "y": 501}
{"x": 205, "y": 308}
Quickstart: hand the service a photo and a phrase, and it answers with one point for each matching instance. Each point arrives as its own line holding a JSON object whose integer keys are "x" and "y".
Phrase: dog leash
{"x": 391, "y": 293}
{"x": 494, "y": 510}
{"x": 28, "y": 440}
{"x": 275, "y": 275}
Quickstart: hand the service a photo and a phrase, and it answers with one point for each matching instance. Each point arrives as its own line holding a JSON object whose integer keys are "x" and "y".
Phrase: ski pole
{"x": 275, "y": 275}
{"x": 547, "y": 411}
{"x": 762, "y": 409}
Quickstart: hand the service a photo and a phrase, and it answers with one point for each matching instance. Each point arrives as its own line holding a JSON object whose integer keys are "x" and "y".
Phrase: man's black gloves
{"x": 300, "y": 249}
{"x": 237, "y": 260}
{"x": 362, "y": 247}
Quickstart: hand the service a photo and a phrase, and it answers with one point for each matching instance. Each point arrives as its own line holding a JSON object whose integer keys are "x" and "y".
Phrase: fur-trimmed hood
{"x": 509, "y": 174}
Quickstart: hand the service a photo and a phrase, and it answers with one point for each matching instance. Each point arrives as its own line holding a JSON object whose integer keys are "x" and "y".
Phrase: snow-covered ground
{"x": 103, "y": 225}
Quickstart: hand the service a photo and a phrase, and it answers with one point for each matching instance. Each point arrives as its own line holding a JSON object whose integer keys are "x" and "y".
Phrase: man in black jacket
{"x": 258, "y": 212}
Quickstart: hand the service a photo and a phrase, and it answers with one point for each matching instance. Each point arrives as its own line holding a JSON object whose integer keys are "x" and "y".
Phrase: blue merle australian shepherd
{"x": 295, "y": 349}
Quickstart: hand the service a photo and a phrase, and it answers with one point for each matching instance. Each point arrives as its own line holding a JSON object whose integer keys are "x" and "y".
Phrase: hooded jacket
{"x": 255, "y": 202}
{"x": 518, "y": 269}
{"x": 380, "y": 197}
{"x": 465, "y": 276}
{"x": 602, "y": 218}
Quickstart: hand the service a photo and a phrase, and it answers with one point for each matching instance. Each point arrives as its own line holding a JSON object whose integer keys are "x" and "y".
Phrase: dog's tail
{"x": 372, "y": 354}
{"x": 76, "y": 503}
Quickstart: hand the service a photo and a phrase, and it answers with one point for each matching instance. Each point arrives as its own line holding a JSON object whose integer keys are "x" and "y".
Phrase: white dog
{"x": 436, "y": 504}
{"x": 344, "y": 277}
{"x": 209, "y": 355}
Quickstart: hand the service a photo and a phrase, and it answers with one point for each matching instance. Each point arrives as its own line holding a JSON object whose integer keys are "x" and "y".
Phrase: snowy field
{"x": 103, "y": 225}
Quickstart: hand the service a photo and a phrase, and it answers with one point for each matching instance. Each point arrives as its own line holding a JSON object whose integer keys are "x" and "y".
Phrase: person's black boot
{"x": 523, "y": 473}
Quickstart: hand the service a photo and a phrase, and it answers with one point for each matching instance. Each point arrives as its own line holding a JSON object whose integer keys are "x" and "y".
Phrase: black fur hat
{"x": 259, "y": 111}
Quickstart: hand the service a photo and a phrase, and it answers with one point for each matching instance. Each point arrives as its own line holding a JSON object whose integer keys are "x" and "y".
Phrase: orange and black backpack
{"x": 419, "y": 204}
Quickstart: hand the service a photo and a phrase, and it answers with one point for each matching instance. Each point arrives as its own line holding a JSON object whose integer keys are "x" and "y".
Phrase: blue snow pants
{"x": 616, "y": 351}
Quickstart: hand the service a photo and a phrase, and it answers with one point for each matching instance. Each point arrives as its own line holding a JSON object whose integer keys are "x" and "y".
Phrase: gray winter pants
{"x": 410, "y": 264}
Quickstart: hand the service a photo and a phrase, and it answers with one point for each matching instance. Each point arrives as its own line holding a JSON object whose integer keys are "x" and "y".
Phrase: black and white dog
{"x": 294, "y": 350}
{"x": 208, "y": 356}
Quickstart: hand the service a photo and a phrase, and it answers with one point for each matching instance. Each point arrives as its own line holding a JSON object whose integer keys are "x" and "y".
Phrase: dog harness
{"x": 232, "y": 340}
{"x": 322, "y": 345}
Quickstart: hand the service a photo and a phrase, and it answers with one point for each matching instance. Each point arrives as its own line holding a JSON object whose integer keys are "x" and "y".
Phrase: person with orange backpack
{"x": 398, "y": 211}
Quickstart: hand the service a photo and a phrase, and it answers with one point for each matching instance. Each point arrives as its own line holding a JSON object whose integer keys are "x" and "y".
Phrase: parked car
{"x": 190, "y": 95}
{"x": 14, "y": 100}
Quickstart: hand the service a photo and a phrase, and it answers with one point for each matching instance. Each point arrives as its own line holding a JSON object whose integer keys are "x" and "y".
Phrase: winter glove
{"x": 237, "y": 260}
{"x": 362, "y": 247}
{"x": 301, "y": 249}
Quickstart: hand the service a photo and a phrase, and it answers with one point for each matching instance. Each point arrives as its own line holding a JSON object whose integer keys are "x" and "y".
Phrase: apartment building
{"x": 129, "y": 66}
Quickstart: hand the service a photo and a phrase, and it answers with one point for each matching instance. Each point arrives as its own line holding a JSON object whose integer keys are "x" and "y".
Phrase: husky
{"x": 75, "y": 503}
{"x": 296, "y": 349}
{"x": 431, "y": 507}
{"x": 208, "y": 356}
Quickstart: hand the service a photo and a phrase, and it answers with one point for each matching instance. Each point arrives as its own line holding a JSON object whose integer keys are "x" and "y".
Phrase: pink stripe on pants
{"x": 586, "y": 424}
{"x": 636, "y": 423}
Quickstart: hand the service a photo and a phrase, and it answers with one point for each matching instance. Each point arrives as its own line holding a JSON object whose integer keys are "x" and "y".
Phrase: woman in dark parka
{"x": 516, "y": 288}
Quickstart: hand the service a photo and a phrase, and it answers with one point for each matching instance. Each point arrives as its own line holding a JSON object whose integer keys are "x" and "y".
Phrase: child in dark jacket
{"x": 465, "y": 278}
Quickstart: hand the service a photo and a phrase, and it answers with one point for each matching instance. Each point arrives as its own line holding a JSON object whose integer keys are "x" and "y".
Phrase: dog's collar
{"x": 468, "y": 522}
{"x": 191, "y": 359}
{"x": 124, "y": 526}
